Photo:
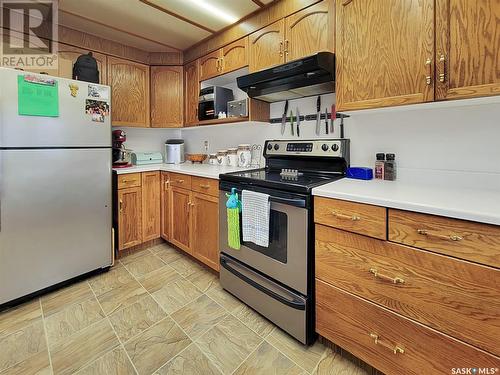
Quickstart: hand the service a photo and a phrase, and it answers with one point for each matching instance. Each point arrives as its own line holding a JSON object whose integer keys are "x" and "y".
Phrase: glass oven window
{"x": 278, "y": 237}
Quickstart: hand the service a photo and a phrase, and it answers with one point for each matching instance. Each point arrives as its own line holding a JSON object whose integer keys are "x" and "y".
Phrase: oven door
{"x": 285, "y": 260}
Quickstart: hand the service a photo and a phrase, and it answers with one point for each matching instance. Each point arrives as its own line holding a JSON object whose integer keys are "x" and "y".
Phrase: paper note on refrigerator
{"x": 37, "y": 97}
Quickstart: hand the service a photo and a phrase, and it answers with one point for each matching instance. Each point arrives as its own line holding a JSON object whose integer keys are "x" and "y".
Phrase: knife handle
{"x": 318, "y": 104}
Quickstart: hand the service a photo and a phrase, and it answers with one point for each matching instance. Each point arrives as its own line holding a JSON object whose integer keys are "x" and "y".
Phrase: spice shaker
{"x": 380, "y": 166}
{"x": 390, "y": 167}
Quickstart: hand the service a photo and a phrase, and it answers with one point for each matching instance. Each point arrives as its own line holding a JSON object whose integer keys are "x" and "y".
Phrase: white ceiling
{"x": 139, "y": 24}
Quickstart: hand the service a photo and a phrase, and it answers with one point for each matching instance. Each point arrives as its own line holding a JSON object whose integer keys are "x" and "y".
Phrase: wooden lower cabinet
{"x": 165, "y": 205}
{"x": 129, "y": 217}
{"x": 388, "y": 341}
{"x": 180, "y": 218}
{"x": 205, "y": 229}
{"x": 151, "y": 215}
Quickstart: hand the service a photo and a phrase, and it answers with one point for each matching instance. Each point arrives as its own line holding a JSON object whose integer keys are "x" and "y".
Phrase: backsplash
{"x": 434, "y": 136}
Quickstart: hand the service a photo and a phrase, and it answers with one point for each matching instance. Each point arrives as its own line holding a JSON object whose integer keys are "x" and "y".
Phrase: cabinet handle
{"x": 205, "y": 186}
{"x": 347, "y": 217}
{"x": 121, "y": 206}
{"x": 286, "y": 47}
{"x": 395, "y": 349}
{"x": 451, "y": 237}
{"x": 167, "y": 184}
{"x": 179, "y": 181}
{"x": 428, "y": 77}
{"x": 381, "y": 276}
{"x": 221, "y": 64}
{"x": 442, "y": 63}
{"x": 281, "y": 48}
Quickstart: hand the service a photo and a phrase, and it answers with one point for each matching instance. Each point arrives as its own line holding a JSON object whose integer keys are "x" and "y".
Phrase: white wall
{"x": 452, "y": 136}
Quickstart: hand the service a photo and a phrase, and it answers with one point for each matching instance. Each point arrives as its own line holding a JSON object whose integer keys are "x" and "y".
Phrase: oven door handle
{"x": 294, "y": 303}
{"x": 290, "y": 202}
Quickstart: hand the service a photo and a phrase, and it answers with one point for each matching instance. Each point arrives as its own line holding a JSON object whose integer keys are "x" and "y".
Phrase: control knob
{"x": 276, "y": 147}
{"x": 335, "y": 147}
{"x": 269, "y": 146}
{"x": 324, "y": 147}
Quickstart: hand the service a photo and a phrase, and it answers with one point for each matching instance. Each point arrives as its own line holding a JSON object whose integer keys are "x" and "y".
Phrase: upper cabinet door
{"x": 166, "y": 96}
{"x": 235, "y": 55}
{"x": 267, "y": 46}
{"x": 210, "y": 65}
{"x": 192, "y": 92}
{"x": 67, "y": 56}
{"x": 467, "y": 43}
{"x": 384, "y": 53}
{"x": 129, "y": 83}
{"x": 309, "y": 31}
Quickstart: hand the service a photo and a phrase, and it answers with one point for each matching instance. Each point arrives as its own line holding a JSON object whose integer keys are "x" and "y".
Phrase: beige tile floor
{"x": 155, "y": 312}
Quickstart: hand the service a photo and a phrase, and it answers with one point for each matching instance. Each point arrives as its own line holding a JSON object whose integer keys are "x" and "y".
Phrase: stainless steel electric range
{"x": 278, "y": 281}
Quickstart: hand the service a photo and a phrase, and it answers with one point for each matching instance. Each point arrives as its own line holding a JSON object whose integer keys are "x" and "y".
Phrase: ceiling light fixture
{"x": 216, "y": 11}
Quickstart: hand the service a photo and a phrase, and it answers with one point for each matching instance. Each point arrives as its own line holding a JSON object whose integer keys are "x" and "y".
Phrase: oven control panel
{"x": 317, "y": 147}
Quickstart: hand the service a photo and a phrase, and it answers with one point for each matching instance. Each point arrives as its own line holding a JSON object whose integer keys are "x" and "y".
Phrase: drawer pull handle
{"x": 396, "y": 349}
{"x": 394, "y": 280}
{"x": 205, "y": 186}
{"x": 451, "y": 237}
{"x": 347, "y": 217}
{"x": 179, "y": 181}
{"x": 121, "y": 206}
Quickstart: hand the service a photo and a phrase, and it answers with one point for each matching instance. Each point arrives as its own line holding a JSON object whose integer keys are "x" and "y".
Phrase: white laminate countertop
{"x": 200, "y": 170}
{"x": 468, "y": 203}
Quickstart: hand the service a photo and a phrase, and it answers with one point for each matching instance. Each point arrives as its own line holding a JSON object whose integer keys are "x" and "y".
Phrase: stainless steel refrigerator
{"x": 55, "y": 188}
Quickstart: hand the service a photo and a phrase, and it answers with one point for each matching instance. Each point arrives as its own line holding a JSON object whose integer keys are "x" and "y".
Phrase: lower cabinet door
{"x": 180, "y": 218}
{"x": 165, "y": 205}
{"x": 390, "y": 342}
{"x": 129, "y": 217}
{"x": 205, "y": 227}
{"x": 150, "y": 205}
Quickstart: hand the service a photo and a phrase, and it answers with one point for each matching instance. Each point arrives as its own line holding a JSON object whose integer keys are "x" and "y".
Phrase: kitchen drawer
{"x": 180, "y": 180}
{"x": 129, "y": 180}
{"x": 388, "y": 341}
{"x": 453, "y": 296}
{"x": 459, "y": 238}
{"x": 353, "y": 217}
{"x": 205, "y": 185}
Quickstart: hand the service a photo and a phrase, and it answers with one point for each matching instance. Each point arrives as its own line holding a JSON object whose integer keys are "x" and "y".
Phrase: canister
{"x": 212, "y": 159}
{"x": 222, "y": 157}
{"x": 244, "y": 155}
{"x": 232, "y": 157}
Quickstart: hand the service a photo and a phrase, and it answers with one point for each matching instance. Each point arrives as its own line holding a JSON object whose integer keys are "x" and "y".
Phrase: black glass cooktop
{"x": 304, "y": 182}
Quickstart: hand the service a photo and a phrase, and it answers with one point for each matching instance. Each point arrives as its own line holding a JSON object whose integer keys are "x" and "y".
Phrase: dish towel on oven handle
{"x": 256, "y": 209}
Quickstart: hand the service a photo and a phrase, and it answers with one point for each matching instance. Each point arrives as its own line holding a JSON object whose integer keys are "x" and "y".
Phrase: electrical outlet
{"x": 206, "y": 146}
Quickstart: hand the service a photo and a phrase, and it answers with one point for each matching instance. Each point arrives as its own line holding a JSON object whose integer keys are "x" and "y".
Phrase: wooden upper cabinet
{"x": 267, "y": 46}
{"x": 129, "y": 83}
{"x": 210, "y": 65}
{"x": 234, "y": 56}
{"x": 205, "y": 229}
{"x": 67, "y": 56}
{"x": 129, "y": 217}
{"x": 384, "y": 52}
{"x": 167, "y": 96}
{"x": 309, "y": 31}
{"x": 191, "y": 92}
{"x": 151, "y": 216}
{"x": 467, "y": 43}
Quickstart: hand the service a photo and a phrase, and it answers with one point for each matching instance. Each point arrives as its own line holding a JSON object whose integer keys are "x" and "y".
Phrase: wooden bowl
{"x": 196, "y": 158}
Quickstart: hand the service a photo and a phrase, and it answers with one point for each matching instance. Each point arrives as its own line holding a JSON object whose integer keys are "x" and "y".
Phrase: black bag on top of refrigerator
{"x": 85, "y": 69}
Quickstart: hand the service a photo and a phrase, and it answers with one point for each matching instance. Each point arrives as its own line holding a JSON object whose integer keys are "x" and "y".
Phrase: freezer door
{"x": 55, "y": 217}
{"x": 73, "y": 127}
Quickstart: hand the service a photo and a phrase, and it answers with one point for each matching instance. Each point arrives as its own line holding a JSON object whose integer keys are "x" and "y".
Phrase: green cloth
{"x": 36, "y": 99}
{"x": 233, "y": 228}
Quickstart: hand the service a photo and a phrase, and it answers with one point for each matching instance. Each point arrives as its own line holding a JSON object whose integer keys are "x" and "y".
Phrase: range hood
{"x": 313, "y": 75}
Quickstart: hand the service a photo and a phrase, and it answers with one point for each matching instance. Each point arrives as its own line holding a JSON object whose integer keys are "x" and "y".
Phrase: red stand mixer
{"x": 121, "y": 156}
